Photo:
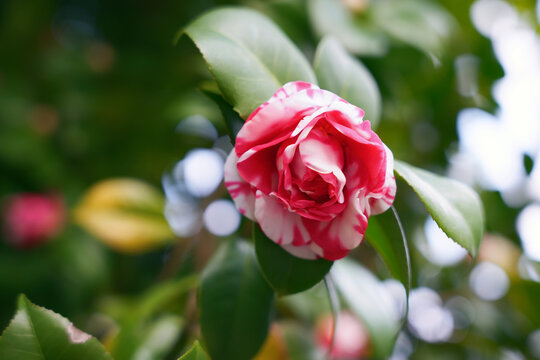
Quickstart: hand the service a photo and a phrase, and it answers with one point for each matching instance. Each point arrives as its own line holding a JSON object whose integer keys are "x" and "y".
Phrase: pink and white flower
{"x": 351, "y": 340}
{"x": 310, "y": 171}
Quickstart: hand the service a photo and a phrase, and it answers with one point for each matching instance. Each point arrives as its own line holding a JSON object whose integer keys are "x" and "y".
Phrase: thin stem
{"x": 405, "y": 245}
{"x": 334, "y": 305}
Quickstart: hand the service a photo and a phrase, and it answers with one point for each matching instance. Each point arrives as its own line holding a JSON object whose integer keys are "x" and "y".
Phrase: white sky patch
{"x": 528, "y": 228}
{"x": 202, "y": 171}
{"x": 427, "y": 318}
{"x": 489, "y": 281}
{"x": 491, "y": 16}
{"x": 500, "y": 163}
{"x": 497, "y": 143}
{"x": 221, "y": 218}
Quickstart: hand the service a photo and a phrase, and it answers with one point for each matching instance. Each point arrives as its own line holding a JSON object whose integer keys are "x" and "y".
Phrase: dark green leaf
{"x": 286, "y": 273}
{"x": 331, "y": 17}
{"x": 233, "y": 121}
{"x": 344, "y": 75}
{"x": 234, "y": 303}
{"x": 38, "y": 333}
{"x": 366, "y": 297}
{"x": 248, "y": 55}
{"x": 390, "y": 246}
{"x": 455, "y": 207}
{"x": 196, "y": 352}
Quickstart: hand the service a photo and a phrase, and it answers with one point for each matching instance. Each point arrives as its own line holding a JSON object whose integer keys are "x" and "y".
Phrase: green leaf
{"x": 368, "y": 299}
{"x": 233, "y": 121}
{"x": 248, "y": 55}
{"x": 235, "y": 303}
{"x": 196, "y": 352}
{"x": 134, "y": 322}
{"x": 287, "y": 274}
{"x": 331, "y": 17}
{"x": 38, "y": 333}
{"x": 455, "y": 207}
{"x": 344, "y": 75}
{"x": 389, "y": 245}
{"x": 422, "y": 24}
{"x": 160, "y": 338}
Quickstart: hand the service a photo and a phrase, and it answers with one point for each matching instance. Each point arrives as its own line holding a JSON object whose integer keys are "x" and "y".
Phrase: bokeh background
{"x": 97, "y": 90}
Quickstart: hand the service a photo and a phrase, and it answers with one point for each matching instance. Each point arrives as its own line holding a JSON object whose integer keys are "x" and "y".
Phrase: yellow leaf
{"x": 125, "y": 214}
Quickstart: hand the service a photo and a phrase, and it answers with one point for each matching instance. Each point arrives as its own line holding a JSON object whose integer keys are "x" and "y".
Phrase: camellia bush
{"x": 311, "y": 259}
{"x": 309, "y": 171}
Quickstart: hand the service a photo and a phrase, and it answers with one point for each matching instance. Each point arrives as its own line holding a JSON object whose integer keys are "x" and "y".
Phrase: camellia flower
{"x": 32, "y": 219}
{"x": 351, "y": 340}
{"x": 310, "y": 171}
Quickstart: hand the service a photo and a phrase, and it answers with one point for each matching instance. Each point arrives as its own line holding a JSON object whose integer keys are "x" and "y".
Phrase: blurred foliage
{"x": 92, "y": 90}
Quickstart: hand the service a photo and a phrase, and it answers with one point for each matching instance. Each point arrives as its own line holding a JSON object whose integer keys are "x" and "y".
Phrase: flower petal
{"x": 281, "y": 114}
{"x": 241, "y": 191}
{"x": 345, "y": 232}
{"x": 324, "y": 155}
{"x": 381, "y": 200}
{"x": 279, "y": 224}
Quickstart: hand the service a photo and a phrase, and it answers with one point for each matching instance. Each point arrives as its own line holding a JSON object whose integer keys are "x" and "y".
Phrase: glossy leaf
{"x": 347, "y": 77}
{"x": 390, "y": 246}
{"x": 40, "y": 334}
{"x": 248, "y": 55}
{"x": 125, "y": 214}
{"x": 368, "y": 299}
{"x": 287, "y": 274}
{"x": 196, "y": 352}
{"x": 235, "y": 303}
{"x": 331, "y": 17}
{"x": 455, "y": 207}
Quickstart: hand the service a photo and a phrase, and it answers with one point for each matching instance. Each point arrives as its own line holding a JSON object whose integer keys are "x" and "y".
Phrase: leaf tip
{"x": 22, "y": 302}
{"x": 177, "y": 36}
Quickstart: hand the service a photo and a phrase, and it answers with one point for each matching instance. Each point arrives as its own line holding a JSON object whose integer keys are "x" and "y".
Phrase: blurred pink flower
{"x": 31, "y": 220}
{"x": 351, "y": 340}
